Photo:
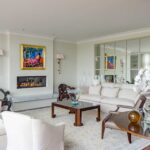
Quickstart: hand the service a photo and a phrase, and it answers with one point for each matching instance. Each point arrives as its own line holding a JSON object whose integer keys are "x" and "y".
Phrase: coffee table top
{"x": 141, "y": 129}
{"x": 80, "y": 105}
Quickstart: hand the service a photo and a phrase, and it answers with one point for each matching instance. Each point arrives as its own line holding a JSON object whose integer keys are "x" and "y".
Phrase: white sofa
{"x": 26, "y": 133}
{"x": 109, "y": 95}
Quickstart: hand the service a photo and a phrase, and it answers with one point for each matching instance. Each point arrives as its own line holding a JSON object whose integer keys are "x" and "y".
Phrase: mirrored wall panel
{"x": 120, "y": 61}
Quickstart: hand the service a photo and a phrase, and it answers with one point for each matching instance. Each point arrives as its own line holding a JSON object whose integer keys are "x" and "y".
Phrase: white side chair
{"x": 25, "y": 133}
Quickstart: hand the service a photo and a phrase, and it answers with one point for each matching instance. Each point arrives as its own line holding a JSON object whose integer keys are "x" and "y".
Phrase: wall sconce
{"x": 59, "y": 57}
{"x": 1, "y": 52}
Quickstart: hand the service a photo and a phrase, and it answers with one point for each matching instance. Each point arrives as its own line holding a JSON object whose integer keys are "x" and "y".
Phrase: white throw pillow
{"x": 109, "y": 92}
{"x": 127, "y": 94}
{"x": 94, "y": 90}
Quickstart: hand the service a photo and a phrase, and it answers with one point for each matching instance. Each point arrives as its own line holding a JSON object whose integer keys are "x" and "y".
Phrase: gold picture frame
{"x": 32, "y": 57}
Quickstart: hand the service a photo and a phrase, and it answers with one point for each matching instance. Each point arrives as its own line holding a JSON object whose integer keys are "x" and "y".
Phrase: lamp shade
{"x": 1, "y": 52}
{"x": 59, "y": 56}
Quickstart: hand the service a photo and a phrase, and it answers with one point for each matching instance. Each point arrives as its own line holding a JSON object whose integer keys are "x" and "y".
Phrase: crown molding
{"x": 54, "y": 38}
{"x": 143, "y": 32}
{"x": 27, "y": 35}
{"x": 64, "y": 41}
{"x": 32, "y": 35}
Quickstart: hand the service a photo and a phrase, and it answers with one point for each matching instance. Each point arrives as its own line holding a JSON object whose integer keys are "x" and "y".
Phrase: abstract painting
{"x": 110, "y": 62}
{"x": 32, "y": 57}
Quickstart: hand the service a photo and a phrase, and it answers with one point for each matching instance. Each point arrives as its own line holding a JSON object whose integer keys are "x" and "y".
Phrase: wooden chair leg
{"x": 103, "y": 125}
{"x": 103, "y": 129}
{"x": 129, "y": 137}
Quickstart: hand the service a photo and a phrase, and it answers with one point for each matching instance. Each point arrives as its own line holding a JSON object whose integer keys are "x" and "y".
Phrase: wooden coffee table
{"x": 123, "y": 123}
{"x": 77, "y": 109}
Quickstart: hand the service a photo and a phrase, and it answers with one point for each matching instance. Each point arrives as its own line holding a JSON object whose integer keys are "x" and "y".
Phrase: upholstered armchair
{"x": 26, "y": 133}
{"x": 107, "y": 121}
{"x": 5, "y": 100}
{"x": 63, "y": 92}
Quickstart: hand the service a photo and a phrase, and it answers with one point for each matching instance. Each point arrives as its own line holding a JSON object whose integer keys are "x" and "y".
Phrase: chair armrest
{"x": 145, "y": 94}
{"x": 70, "y": 87}
{"x": 113, "y": 112}
{"x": 124, "y": 106}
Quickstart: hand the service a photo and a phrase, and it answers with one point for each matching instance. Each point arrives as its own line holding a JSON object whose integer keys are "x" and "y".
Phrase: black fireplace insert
{"x": 31, "y": 81}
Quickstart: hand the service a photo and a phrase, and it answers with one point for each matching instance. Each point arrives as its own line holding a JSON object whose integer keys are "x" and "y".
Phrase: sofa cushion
{"x": 127, "y": 94}
{"x": 92, "y": 98}
{"x": 109, "y": 92}
{"x": 94, "y": 90}
{"x": 111, "y": 85}
{"x": 117, "y": 101}
{"x": 127, "y": 86}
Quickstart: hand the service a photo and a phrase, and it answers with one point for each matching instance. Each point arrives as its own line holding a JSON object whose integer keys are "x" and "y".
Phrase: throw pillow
{"x": 109, "y": 92}
{"x": 94, "y": 90}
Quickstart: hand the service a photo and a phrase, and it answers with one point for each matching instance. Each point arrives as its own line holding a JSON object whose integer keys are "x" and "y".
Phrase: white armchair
{"x": 25, "y": 133}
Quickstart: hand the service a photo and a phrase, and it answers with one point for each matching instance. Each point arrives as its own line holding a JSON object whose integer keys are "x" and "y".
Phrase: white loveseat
{"x": 109, "y": 95}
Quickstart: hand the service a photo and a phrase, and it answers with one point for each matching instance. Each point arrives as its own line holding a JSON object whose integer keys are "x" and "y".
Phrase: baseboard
{"x": 32, "y": 109}
{"x": 28, "y": 105}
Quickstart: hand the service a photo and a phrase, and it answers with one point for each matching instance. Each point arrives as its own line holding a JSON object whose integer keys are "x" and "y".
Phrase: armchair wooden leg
{"x": 103, "y": 125}
{"x": 129, "y": 137}
{"x": 103, "y": 129}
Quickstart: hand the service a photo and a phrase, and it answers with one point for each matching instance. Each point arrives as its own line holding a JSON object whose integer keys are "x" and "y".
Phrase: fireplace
{"x": 110, "y": 78}
{"x": 31, "y": 81}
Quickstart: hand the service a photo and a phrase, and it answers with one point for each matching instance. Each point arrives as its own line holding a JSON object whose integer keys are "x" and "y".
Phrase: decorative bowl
{"x": 134, "y": 116}
{"x": 74, "y": 102}
{"x": 134, "y": 127}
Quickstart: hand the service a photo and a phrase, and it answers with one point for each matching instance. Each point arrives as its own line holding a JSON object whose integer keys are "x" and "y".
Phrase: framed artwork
{"x": 32, "y": 57}
{"x": 110, "y": 62}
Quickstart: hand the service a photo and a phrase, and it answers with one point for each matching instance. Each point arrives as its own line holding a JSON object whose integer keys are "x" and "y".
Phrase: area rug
{"x": 87, "y": 137}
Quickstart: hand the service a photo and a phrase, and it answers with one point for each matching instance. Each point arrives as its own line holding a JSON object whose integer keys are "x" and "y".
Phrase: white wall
{"x": 68, "y": 65}
{"x": 15, "y": 70}
{"x": 85, "y": 63}
{"x": 10, "y": 64}
{"x": 4, "y": 62}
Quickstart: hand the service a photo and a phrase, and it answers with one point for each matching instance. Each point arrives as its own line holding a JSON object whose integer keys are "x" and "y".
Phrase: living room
{"x": 91, "y": 53}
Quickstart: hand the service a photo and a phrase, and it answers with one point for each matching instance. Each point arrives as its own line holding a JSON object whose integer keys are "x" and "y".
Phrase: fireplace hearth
{"x": 31, "y": 81}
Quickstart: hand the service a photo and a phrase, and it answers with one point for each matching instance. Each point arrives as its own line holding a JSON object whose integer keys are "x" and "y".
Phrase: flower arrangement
{"x": 142, "y": 80}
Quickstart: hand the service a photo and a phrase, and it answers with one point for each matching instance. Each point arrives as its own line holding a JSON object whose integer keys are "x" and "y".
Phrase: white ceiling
{"x": 73, "y": 20}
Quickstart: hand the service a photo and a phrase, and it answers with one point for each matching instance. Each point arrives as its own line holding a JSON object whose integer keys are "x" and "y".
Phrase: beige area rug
{"x": 87, "y": 137}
